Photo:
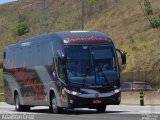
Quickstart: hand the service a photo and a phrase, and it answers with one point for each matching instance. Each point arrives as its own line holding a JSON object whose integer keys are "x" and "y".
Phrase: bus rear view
{"x": 76, "y": 69}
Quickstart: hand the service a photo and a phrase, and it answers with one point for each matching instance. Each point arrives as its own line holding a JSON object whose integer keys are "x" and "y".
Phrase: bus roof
{"x": 70, "y": 37}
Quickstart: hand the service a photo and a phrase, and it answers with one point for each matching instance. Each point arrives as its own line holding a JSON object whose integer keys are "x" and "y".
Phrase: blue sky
{"x": 5, "y": 1}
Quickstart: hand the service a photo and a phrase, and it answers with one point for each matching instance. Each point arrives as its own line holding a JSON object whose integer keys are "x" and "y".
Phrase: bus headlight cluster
{"x": 117, "y": 90}
{"x": 72, "y": 92}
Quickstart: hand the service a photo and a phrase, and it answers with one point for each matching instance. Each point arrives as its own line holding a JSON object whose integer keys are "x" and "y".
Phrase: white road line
{"x": 111, "y": 118}
{"x": 19, "y": 113}
{"x": 83, "y": 116}
{"x": 149, "y": 112}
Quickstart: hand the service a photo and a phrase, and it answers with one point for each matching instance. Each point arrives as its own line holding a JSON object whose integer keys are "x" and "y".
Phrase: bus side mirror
{"x": 123, "y": 56}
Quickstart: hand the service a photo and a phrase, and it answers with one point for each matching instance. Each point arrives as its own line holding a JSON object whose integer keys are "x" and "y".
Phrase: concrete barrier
{"x": 133, "y": 98}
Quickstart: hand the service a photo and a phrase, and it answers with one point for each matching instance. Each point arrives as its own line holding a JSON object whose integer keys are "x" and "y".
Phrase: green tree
{"x": 155, "y": 22}
{"x": 148, "y": 7}
{"x": 22, "y": 27}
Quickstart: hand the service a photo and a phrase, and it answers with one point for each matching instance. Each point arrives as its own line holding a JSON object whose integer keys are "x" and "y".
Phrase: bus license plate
{"x": 97, "y": 101}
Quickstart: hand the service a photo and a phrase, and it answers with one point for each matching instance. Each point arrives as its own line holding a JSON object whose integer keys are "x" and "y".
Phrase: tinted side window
{"x": 26, "y": 60}
{"x": 57, "y": 46}
{"x": 47, "y": 58}
{"x": 32, "y": 56}
{"x": 20, "y": 57}
{"x": 14, "y": 57}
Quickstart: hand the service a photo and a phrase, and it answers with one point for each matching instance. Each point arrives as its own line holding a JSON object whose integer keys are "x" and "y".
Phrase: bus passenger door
{"x": 59, "y": 73}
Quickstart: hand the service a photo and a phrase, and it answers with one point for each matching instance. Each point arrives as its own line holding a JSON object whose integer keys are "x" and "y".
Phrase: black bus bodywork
{"x": 63, "y": 70}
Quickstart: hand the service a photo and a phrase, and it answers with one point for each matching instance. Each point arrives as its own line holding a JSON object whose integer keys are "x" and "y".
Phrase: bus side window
{"x": 47, "y": 52}
{"x": 14, "y": 57}
{"x": 38, "y": 55}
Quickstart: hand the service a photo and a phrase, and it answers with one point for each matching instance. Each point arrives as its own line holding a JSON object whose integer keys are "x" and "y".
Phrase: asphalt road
{"x": 121, "y": 112}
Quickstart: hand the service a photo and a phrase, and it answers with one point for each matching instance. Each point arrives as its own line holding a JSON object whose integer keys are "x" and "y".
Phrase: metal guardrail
{"x": 151, "y": 77}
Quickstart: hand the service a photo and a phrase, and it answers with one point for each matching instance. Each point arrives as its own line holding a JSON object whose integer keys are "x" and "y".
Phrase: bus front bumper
{"x": 93, "y": 100}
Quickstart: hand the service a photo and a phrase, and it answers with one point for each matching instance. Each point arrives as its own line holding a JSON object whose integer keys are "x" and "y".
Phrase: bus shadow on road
{"x": 74, "y": 111}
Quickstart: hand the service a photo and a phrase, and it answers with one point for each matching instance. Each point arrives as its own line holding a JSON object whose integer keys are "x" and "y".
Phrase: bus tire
{"x": 101, "y": 108}
{"x": 26, "y": 108}
{"x": 53, "y": 106}
{"x": 18, "y": 106}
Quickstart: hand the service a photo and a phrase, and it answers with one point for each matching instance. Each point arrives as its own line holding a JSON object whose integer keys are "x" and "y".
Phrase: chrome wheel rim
{"x": 54, "y": 104}
{"x": 17, "y": 103}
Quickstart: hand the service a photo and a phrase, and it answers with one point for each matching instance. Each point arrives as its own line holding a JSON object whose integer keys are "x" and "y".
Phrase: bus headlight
{"x": 117, "y": 90}
{"x": 72, "y": 92}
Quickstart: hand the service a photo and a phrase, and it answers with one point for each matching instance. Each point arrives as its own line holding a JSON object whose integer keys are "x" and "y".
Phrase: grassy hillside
{"x": 124, "y": 21}
{"x": 130, "y": 29}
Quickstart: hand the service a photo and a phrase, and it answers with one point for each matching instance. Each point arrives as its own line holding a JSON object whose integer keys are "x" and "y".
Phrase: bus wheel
{"x": 26, "y": 108}
{"x": 54, "y": 108}
{"x": 101, "y": 108}
{"x": 19, "y": 107}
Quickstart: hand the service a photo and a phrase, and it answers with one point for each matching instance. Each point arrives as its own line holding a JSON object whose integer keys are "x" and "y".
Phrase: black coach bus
{"x": 72, "y": 69}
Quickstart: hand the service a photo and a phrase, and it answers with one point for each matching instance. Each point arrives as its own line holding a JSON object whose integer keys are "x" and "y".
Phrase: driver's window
{"x": 61, "y": 70}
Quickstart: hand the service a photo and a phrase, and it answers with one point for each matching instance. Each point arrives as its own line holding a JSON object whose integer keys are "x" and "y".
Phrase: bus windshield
{"x": 90, "y": 65}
